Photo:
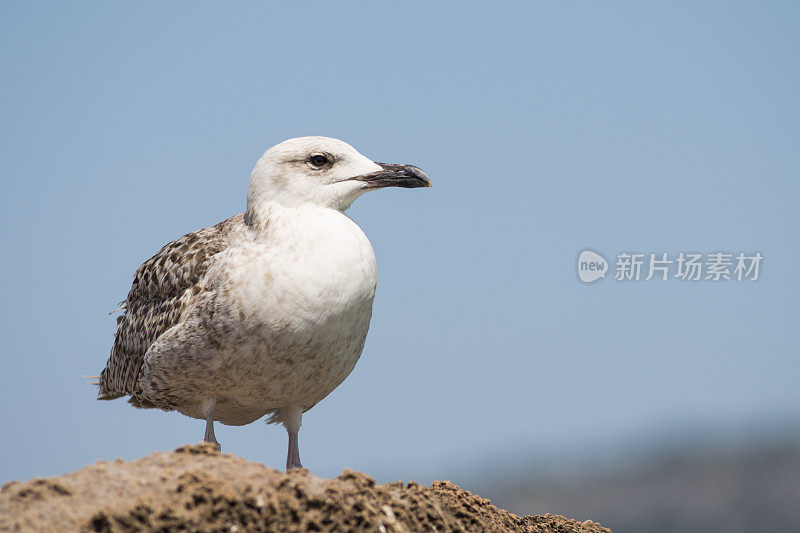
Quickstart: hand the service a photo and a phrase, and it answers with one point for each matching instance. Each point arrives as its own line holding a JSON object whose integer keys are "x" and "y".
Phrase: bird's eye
{"x": 317, "y": 160}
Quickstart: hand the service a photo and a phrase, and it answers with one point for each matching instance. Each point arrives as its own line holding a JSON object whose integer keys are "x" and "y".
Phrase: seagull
{"x": 265, "y": 313}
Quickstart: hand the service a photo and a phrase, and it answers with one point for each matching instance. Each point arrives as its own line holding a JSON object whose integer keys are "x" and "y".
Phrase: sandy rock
{"x": 195, "y": 488}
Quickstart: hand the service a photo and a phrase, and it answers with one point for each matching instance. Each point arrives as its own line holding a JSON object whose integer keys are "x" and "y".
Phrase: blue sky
{"x": 546, "y": 129}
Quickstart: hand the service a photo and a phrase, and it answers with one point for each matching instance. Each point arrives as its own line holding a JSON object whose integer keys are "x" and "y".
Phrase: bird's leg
{"x": 293, "y": 457}
{"x": 292, "y": 418}
{"x": 208, "y": 411}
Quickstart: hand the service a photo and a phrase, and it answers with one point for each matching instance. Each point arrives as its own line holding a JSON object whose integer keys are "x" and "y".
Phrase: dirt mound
{"x": 196, "y": 488}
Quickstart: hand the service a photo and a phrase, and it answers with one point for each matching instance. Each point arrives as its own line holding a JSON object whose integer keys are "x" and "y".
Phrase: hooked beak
{"x": 391, "y": 175}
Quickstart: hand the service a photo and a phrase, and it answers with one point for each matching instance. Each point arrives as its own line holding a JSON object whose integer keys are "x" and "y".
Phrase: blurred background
{"x": 546, "y": 129}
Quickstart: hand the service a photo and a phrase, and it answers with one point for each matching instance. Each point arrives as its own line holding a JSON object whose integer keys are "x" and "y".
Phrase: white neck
{"x": 317, "y": 242}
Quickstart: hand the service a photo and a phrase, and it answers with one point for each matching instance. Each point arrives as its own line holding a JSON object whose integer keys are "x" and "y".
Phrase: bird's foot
{"x": 293, "y": 464}
{"x": 216, "y": 445}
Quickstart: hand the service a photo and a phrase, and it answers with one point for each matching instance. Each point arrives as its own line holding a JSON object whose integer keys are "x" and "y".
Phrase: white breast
{"x": 317, "y": 260}
{"x": 301, "y": 303}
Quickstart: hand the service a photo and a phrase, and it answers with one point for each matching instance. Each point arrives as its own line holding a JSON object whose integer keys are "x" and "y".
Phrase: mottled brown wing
{"x": 161, "y": 293}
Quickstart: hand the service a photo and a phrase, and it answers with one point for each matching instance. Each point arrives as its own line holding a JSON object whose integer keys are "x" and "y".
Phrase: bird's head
{"x": 324, "y": 172}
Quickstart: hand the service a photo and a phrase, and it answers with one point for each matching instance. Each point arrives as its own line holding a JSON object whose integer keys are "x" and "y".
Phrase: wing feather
{"x": 162, "y": 292}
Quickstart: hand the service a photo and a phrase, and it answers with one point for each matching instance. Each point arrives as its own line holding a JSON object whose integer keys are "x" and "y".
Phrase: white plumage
{"x": 266, "y": 312}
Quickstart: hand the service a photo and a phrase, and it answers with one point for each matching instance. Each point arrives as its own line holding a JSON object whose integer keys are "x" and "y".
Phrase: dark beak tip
{"x": 421, "y": 175}
{"x": 421, "y": 179}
